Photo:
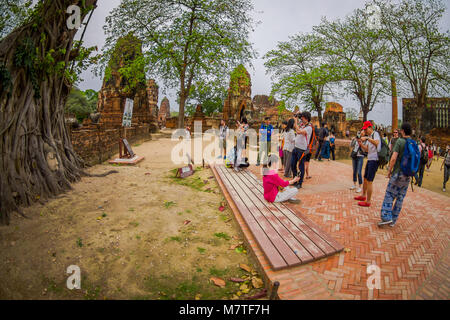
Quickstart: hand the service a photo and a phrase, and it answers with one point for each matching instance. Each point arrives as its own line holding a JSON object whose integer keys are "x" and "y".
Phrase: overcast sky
{"x": 279, "y": 20}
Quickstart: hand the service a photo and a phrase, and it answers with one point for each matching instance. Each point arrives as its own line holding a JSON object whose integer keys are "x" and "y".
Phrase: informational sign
{"x": 185, "y": 172}
{"x": 128, "y": 113}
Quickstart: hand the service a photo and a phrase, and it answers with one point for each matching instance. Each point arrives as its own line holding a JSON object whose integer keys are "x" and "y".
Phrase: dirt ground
{"x": 432, "y": 180}
{"x": 138, "y": 234}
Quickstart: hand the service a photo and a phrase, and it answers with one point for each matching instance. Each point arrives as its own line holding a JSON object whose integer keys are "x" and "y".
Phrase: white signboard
{"x": 128, "y": 113}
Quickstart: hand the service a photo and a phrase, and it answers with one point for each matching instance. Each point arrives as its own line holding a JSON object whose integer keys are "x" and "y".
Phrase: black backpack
{"x": 424, "y": 155}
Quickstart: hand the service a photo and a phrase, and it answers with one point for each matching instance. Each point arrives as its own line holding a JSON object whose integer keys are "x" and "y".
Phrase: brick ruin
{"x": 433, "y": 121}
{"x": 164, "y": 112}
{"x": 239, "y": 101}
{"x": 97, "y": 141}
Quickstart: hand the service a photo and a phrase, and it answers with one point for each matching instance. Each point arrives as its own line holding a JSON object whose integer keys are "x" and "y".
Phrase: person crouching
{"x": 275, "y": 188}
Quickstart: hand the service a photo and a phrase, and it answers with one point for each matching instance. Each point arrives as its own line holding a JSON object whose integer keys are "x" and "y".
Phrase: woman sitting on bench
{"x": 275, "y": 188}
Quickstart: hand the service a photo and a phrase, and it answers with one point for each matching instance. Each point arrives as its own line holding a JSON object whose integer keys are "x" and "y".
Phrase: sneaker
{"x": 444, "y": 190}
{"x": 392, "y": 225}
{"x": 298, "y": 185}
{"x": 360, "y": 198}
{"x": 294, "y": 201}
{"x": 364, "y": 204}
{"x": 359, "y": 190}
{"x": 384, "y": 223}
{"x": 352, "y": 187}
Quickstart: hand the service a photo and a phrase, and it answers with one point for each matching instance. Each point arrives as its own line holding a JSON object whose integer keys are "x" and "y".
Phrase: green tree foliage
{"x": 362, "y": 54}
{"x": 82, "y": 103}
{"x": 185, "y": 41}
{"x": 301, "y": 71}
{"x": 129, "y": 62}
{"x": 12, "y": 14}
{"x": 352, "y": 114}
{"x": 211, "y": 96}
{"x": 420, "y": 49}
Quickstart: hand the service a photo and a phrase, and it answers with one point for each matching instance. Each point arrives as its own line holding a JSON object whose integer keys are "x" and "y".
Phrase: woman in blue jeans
{"x": 357, "y": 161}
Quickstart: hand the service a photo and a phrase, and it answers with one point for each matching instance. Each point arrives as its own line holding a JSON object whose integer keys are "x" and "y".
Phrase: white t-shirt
{"x": 302, "y": 141}
{"x": 289, "y": 140}
{"x": 373, "y": 150}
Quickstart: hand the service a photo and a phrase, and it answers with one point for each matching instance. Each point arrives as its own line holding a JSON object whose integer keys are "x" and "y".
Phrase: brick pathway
{"x": 413, "y": 256}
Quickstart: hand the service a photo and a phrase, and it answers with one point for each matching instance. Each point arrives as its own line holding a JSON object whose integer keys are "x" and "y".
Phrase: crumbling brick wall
{"x": 96, "y": 144}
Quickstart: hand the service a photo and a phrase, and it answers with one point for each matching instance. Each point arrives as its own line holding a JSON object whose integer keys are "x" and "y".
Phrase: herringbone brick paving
{"x": 413, "y": 256}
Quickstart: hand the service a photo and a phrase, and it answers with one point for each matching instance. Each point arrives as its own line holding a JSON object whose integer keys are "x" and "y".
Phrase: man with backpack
{"x": 404, "y": 165}
{"x": 373, "y": 147}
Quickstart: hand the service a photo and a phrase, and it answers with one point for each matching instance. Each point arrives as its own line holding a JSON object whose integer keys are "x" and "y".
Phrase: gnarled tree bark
{"x": 37, "y": 159}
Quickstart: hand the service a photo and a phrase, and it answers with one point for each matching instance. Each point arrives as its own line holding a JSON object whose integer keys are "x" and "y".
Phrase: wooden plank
{"x": 275, "y": 259}
{"x": 324, "y": 235}
{"x": 313, "y": 251}
{"x": 310, "y": 228}
{"x": 263, "y": 221}
{"x": 295, "y": 245}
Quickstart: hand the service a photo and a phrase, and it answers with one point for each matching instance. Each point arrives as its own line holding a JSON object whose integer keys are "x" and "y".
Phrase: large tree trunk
{"x": 37, "y": 159}
{"x": 181, "y": 113}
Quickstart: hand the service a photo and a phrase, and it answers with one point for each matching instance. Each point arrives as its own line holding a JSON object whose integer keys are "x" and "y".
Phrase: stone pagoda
{"x": 117, "y": 88}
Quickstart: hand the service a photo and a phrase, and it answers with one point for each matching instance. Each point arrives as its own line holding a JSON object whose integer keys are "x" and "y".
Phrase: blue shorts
{"x": 371, "y": 170}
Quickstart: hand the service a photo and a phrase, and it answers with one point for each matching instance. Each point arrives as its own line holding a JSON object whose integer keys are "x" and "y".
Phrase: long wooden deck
{"x": 286, "y": 238}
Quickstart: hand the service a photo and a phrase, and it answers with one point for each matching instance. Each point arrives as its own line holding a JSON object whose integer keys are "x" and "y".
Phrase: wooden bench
{"x": 287, "y": 238}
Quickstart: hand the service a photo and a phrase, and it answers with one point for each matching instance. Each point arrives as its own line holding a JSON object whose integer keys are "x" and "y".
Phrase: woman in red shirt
{"x": 275, "y": 188}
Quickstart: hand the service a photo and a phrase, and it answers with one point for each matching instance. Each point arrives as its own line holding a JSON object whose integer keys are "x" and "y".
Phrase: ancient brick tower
{"x": 239, "y": 101}
{"x": 117, "y": 88}
{"x": 164, "y": 112}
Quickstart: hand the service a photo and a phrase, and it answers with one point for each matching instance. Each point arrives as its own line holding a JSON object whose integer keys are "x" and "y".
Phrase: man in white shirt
{"x": 372, "y": 148}
{"x": 301, "y": 148}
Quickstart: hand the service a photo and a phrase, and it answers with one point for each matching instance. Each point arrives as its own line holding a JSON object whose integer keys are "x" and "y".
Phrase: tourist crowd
{"x": 404, "y": 158}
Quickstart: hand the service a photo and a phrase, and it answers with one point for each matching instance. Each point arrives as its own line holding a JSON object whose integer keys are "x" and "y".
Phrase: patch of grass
{"x": 138, "y": 237}
{"x": 222, "y": 235}
{"x": 104, "y": 215}
{"x": 218, "y": 272}
{"x": 170, "y": 288}
{"x": 199, "y": 270}
{"x": 53, "y": 287}
{"x": 90, "y": 290}
{"x": 131, "y": 209}
{"x": 177, "y": 239}
{"x": 188, "y": 211}
{"x": 168, "y": 204}
{"x": 134, "y": 224}
{"x": 201, "y": 250}
{"x": 180, "y": 213}
{"x": 195, "y": 182}
{"x": 80, "y": 242}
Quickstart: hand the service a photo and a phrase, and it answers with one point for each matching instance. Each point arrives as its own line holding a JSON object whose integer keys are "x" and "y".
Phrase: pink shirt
{"x": 271, "y": 182}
